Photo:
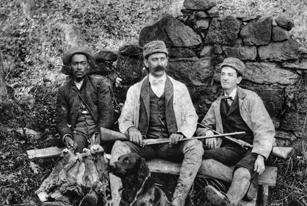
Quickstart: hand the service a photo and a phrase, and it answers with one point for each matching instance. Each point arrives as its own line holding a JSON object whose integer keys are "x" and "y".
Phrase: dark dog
{"x": 138, "y": 185}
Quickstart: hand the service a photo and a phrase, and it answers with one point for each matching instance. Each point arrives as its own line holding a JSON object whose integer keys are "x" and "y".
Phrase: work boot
{"x": 216, "y": 197}
{"x": 178, "y": 196}
{"x": 239, "y": 185}
{"x": 252, "y": 190}
{"x": 90, "y": 199}
{"x": 193, "y": 152}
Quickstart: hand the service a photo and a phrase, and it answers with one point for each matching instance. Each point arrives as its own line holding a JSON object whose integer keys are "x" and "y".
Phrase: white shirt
{"x": 157, "y": 84}
{"x": 232, "y": 94}
{"x": 79, "y": 84}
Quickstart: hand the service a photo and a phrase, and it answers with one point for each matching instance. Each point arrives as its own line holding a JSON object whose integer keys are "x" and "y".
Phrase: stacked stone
{"x": 199, "y": 40}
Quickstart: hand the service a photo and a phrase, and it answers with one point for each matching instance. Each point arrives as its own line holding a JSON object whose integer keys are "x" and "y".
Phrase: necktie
{"x": 228, "y": 99}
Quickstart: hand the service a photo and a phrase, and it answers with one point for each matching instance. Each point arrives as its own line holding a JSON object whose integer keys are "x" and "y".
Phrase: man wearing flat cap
{"x": 160, "y": 107}
{"x": 236, "y": 110}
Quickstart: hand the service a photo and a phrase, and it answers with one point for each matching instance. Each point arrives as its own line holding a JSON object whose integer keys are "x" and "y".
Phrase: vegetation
{"x": 34, "y": 35}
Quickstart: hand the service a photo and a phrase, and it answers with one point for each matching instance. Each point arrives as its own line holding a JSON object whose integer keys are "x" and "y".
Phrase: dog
{"x": 138, "y": 185}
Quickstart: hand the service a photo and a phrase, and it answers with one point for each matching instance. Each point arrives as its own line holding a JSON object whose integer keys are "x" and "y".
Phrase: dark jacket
{"x": 96, "y": 93}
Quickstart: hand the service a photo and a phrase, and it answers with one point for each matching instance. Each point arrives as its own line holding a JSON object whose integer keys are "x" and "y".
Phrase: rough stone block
{"x": 105, "y": 55}
{"x": 133, "y": 50}
{"x": 201, "y": 15}
{"x": 223, "y": 31}
{"x": 206, "y": 51}
{"x": 257, "y": 33}
{"x": 199, "y": 4}
{"x": 172, "y": 31}
{"x": 294, "y": 121}
{"x": 284, "y": 22}
{"x": 201, "y": 25}
{"x": 191, "y": 71}
{"x": 280, "y": 51}
{"x": 243, "y": 53}
{"x": 269, "y": 73}
{"x": 213, "y": 12}
{"x": 297, "y": 65}
{"x": 280, "y": 34}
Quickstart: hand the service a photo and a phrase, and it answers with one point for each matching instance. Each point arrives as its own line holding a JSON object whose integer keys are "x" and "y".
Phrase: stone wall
{"x": 198, "y": 42}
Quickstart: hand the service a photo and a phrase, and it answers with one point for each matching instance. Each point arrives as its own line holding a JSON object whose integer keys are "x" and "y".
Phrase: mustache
{"x": 159, "y": 67}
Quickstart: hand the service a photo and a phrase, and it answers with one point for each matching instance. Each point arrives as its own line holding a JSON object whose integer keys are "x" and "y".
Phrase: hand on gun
{"x": 135, "y": 136}
{"x": 175, "y": 138}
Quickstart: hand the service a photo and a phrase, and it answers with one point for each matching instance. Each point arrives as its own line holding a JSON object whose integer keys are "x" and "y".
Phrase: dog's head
{"x": 129, "y": 164}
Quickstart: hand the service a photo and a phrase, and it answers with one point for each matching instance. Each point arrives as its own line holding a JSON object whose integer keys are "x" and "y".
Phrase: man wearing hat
{"x": 159, "y": 107}
{"x": 84, "y": 103}
{"x": 236, "y": 110}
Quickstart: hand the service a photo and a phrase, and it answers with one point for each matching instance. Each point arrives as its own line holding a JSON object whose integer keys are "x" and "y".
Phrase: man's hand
{"x": 135, "y": 136}
{"x": 70, "y": 143}
{"x": 212, "y": 142}
{"x": 259, "y": 164}
{"x": 175, "y": 138}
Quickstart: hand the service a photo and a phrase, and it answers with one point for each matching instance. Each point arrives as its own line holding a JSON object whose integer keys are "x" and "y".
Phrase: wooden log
{"x": 45, "y": 152}
{"x": 268, "y": 177}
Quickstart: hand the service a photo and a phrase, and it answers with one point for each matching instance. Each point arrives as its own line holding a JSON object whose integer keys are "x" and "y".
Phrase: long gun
{"x": 110, "y": 135}
{"x": 282, "y": 152}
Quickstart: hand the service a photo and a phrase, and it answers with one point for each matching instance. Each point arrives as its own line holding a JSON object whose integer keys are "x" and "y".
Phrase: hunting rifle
{"x": 282, "y": 152}
{"x": 110, "y": 135}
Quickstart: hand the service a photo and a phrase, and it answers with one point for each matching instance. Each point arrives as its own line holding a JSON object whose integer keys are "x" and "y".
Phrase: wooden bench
{"x": 266, "y": 179}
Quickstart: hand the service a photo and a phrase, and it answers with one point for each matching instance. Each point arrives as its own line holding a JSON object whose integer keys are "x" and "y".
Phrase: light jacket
{"x": 186, "y": 117}
{"x": 254, "y": 115}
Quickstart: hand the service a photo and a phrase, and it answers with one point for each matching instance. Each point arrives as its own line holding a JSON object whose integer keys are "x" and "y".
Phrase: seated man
{"x": 84, "y": 104}
{"x": 159, "y": 107}
{"x": 237, "y": 110}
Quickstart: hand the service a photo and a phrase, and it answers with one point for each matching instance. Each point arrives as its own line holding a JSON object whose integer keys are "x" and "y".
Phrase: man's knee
{"x": 194, "y": 145}
{"x": 243, "y": 173}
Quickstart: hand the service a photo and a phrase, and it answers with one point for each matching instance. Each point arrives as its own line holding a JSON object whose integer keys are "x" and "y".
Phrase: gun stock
{"x": 282, "y": 152}
{"x": 110, "y": 135}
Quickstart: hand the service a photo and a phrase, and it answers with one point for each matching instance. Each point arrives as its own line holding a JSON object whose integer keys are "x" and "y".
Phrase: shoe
{"x": 177, "y": 202}
{"x": 252, "y": 190}
{"x": 90, "y": 199}
{"x": 216, "y": 197}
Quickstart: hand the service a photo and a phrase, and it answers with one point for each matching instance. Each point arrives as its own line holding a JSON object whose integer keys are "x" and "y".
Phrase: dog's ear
{"x": 143, "y": 169}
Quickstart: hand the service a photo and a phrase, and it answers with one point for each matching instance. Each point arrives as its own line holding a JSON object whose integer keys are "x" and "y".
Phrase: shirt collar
{"x": 79, "y": 84}
{"x": 153, "y": 80}
{"x": 232, "y": 94}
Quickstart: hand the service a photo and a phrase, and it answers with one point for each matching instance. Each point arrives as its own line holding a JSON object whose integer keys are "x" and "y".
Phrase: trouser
{"x": 189, "y": 152}
{"x": 84, "y": 128}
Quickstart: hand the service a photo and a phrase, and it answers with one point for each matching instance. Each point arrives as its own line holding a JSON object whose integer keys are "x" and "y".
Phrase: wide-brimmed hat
{"x": 78, "y": 50}
{"x": 235, "y": 63}
{"x": 152, "y": 47}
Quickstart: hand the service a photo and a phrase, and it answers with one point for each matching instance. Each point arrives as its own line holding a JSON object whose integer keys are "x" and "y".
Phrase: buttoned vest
{"x": 233, "y": 122}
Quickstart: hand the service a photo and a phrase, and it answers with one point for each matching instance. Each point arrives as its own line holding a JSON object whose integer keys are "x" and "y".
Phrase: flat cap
{"x": 78, "y": 50}
{"x": 235, "y": 63}
{"x": 152, "y": 47}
